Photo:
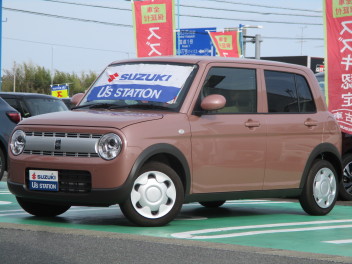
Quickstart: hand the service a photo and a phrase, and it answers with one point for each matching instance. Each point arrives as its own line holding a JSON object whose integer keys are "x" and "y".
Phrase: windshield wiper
{"x": 90, "y": 106}
{"x": 141, "y": 106}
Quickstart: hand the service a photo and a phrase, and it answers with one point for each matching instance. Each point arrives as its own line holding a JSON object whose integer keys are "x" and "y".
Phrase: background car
{"x": 68, "y": 102}
{"x": 32, "y": 104}
{"x": 345, "y": 192}
{"x": 9, "y": 117}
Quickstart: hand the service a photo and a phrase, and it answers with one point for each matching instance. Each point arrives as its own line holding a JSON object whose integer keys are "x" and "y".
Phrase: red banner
{"x": 338, "y": 61}
{"x": 226, "y": 43}
{"x": 154, "y": 27}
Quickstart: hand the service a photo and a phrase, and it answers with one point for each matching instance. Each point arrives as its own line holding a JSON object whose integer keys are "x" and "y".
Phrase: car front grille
{"x": 61, "y": 144}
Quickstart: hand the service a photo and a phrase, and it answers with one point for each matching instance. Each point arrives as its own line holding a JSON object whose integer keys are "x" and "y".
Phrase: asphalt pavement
{"x": 24, "y": 241}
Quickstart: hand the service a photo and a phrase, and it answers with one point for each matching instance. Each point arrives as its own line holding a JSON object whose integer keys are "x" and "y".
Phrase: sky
{"x": 79, "y": 38}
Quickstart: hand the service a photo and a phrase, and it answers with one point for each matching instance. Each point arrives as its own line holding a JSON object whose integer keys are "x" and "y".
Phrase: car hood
{"x": 91, "y": 118}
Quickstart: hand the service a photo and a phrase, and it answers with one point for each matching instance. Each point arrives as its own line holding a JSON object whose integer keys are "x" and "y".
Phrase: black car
{"x": 346, "y": 183}
{"x": 9, "y": 117}
{"x": 31, "y": 104}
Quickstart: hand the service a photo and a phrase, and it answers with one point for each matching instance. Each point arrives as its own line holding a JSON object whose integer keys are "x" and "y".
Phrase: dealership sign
{"x": 60, "y": 91}
{"x": 227, "y": 43}
{"x": 338, "y": 77}
{"x": 154, "y": 27}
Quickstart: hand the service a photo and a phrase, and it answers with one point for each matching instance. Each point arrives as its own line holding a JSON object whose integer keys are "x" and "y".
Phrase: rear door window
{"x": 288, "y": 93}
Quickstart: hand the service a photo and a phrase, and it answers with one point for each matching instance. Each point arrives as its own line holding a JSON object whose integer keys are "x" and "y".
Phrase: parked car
{"x": 9, "y": 117}
{"x": 68, "y": 102}
{"x": 345, "y": 192}
{"x": 153, "y": 133}
{"x": 32, "y": 104}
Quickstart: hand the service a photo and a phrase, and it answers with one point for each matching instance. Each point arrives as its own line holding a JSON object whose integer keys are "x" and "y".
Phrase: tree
{"x": 36, "y": 79}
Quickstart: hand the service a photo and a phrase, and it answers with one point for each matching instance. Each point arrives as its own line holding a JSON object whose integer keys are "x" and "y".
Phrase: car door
{"x": 229, "y": 145}
{"x": 295, "y": 127}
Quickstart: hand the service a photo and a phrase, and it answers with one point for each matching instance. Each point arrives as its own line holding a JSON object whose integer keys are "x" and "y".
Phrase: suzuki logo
{"x": 57, "y": 144}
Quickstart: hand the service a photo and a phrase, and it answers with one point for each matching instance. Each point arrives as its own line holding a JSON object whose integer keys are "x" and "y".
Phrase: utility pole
{"x": 257, "y": 39}
{"x": 14, "y": 77}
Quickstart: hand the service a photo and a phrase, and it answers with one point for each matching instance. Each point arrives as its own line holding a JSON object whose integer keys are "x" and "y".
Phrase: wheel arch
{"x": 169, "y": 155}
{"x": 325, "y": 151}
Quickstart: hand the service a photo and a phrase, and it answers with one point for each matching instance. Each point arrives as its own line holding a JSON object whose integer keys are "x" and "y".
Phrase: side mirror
{"x": 213, "y": 102}
{"x": 76, "y": 98}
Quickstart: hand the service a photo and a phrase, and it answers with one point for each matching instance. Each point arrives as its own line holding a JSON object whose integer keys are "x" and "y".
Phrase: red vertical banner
{"x": 338, "y": 61}
{"x": 154, "y": 27}
{"x": 226, "y": 43}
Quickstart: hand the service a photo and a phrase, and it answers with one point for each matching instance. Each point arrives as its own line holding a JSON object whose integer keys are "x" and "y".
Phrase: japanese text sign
{"x": 154, "y": 27}
{"x": 195, "y": 41}
{"x": 60, "y": 91}
{"x": 226, "y": 43}
{"x": 338, "y": 62}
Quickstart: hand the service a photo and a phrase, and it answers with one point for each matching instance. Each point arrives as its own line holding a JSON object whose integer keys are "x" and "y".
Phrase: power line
{"x": 88, "y": 5}
{"x": 293, "y": 38}
{"x": 265, "y": 6}
{"x": 67, "y": 46}
{"x": 250, "y": 11}
{"x": 191, "y": 6}
{"x": 65, "y": 17}
{"x": 195, "y": 16}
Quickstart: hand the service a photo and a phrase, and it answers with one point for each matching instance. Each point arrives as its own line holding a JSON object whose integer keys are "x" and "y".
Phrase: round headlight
{"x": 109, "y": 146}
{"x": 18, "y": 142}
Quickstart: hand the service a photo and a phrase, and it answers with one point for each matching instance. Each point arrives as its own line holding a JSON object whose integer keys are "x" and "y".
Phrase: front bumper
{"x": 96, "y": 197}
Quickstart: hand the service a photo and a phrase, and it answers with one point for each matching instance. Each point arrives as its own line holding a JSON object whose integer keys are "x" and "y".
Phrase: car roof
{"x": 207, "y": 59}
{"x": 29, "y": 95}
{"x": 5, "y": 106}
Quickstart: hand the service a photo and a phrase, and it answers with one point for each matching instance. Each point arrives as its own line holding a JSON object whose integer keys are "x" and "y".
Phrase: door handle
{"x": 250, "y": 123}
{"x": 310, "y": 122}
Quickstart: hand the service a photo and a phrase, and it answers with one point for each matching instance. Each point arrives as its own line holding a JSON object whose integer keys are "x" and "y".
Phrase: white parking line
{"x": 196, "y": 233}
{"x": 346, "y": 241}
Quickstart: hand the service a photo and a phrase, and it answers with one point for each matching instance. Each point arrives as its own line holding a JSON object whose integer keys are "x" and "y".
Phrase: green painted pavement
{"x": 260, "y": 223}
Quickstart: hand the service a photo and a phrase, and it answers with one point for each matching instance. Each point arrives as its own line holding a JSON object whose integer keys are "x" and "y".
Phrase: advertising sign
{"x": 195, "y": 41}
{"x": 338, "y": 64}
{"x": 154, "y": 27}
{"x": 227, "y": 43}
{"x": 60, "y": 91}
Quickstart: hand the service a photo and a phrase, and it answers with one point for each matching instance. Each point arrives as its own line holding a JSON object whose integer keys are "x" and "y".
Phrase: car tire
{"x": 156, "y": 196}
{"x": 212, "y": 204}
{"x": 2, "y": 163}
{"x": 40, "y": 209}
{"x": 321, "y": 189}
{"x": 345, "y": 191}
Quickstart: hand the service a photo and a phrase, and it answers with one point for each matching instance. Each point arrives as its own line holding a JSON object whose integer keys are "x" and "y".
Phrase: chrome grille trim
{"x": 61, "y": 154}
{"x": 62, "y": 134}
{"x": 82, "y": 145}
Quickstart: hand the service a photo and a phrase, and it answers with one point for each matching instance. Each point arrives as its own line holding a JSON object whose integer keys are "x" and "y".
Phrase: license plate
{"x": 41, "y": 180}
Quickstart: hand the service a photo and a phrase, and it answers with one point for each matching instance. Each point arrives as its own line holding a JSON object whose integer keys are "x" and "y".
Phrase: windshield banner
{"x": 152, "y": 82}
{"x": 154, "y": 27}
{"x": 338, "y": 62}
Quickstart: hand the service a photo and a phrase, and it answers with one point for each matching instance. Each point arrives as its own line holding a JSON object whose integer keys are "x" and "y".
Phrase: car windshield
{"x": 38, "y": 106}
{"x": 140, "y": 85}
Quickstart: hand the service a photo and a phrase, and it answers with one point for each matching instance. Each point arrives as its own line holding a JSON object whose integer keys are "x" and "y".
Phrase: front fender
{"x": 162, "y": 149}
